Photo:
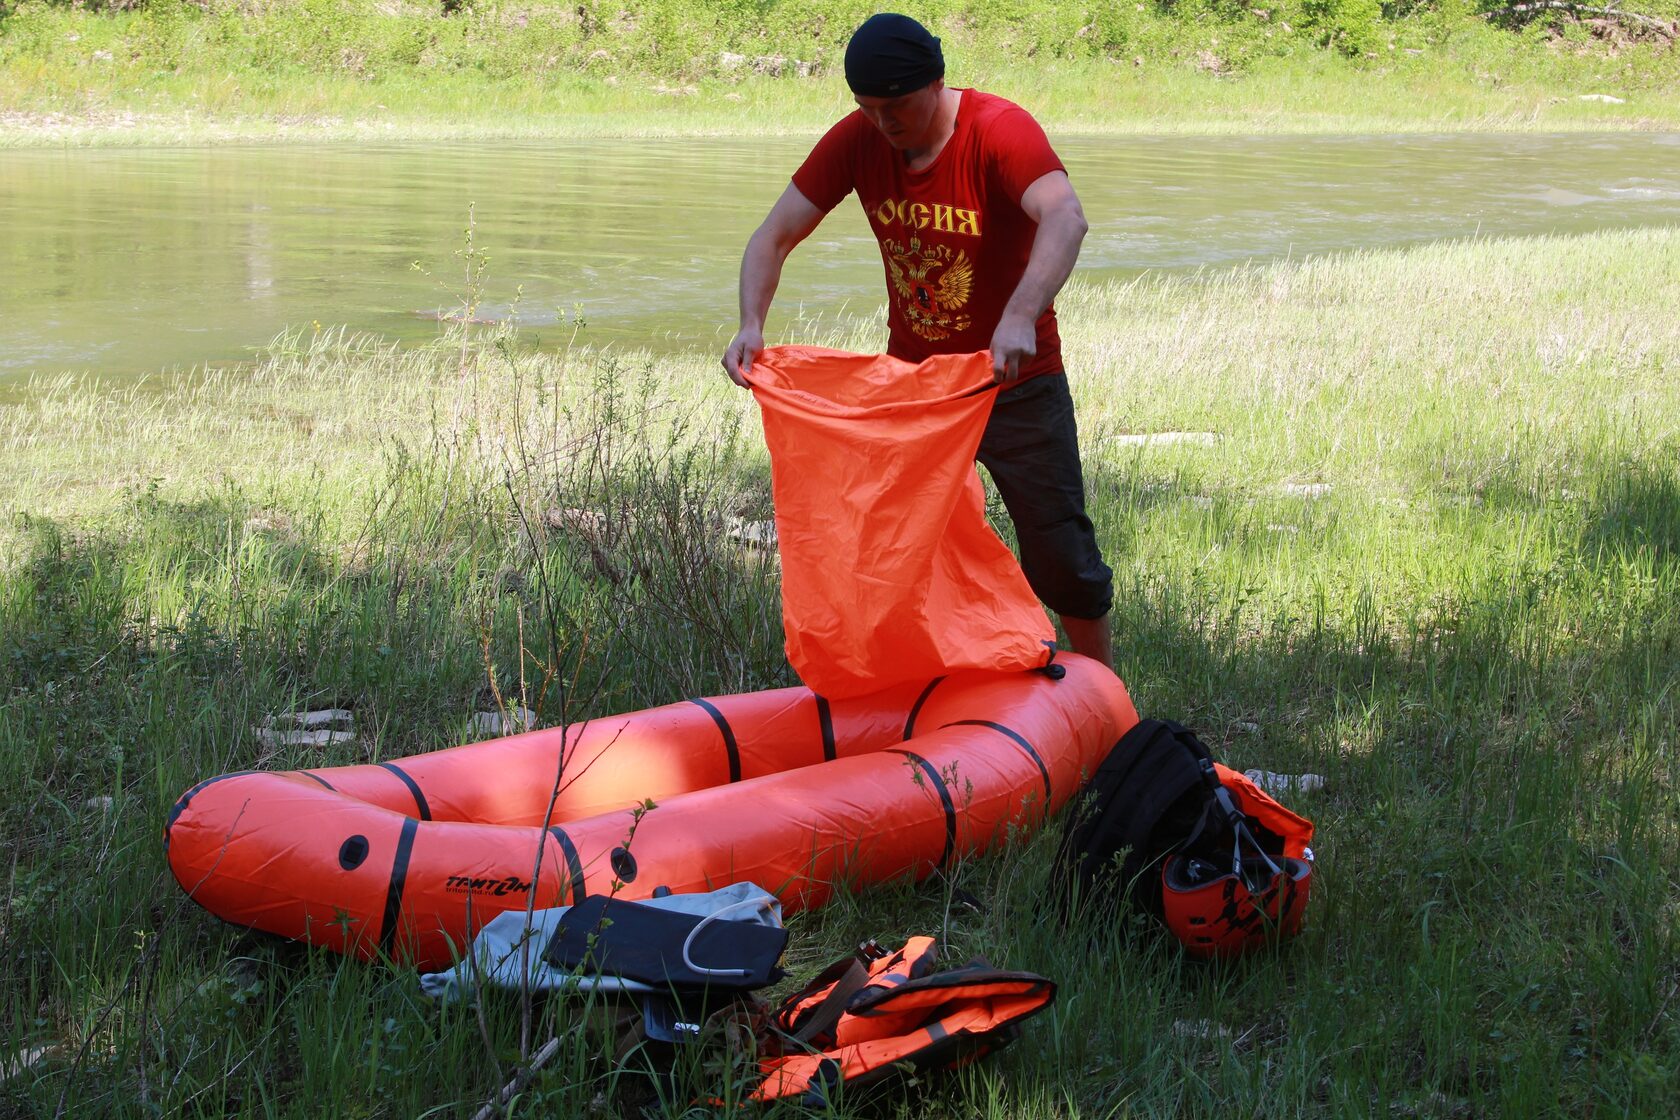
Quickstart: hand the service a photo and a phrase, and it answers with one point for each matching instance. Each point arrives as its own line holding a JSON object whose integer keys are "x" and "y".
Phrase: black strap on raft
{"x": 1151, "y": 796}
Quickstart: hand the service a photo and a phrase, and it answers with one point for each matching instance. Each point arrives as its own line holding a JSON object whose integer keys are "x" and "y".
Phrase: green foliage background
{"x": 691, "y": 39}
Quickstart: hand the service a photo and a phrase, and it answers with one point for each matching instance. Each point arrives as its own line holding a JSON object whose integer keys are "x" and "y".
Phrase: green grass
{"x": 220, "y": 71}
{"x": 1473, "y": 634}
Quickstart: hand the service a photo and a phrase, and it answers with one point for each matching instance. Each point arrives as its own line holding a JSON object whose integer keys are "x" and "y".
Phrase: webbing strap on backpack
{"x": 1146, "y": 795}
{"x": 822, "y": 1018}
{"x": 810, "y": 1014}
{"x": 904, "y": 1014}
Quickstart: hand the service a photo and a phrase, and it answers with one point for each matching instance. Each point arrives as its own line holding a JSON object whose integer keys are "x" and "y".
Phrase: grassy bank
{"x": 1432, "y": 556}
{"x": 177, "y": 72}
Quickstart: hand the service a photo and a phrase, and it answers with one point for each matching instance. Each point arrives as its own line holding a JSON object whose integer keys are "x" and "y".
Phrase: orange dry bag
{"x": 890, "y": 571}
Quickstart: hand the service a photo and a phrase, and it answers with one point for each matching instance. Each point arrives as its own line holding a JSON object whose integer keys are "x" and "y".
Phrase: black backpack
{"x": 1153, "y": 795}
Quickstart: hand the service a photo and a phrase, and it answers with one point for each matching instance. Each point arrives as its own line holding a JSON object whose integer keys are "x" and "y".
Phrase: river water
{"x": 129, "y": 261}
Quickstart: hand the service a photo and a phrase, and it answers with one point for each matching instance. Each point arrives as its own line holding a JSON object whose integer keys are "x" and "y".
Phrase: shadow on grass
{"x": 138, "y": 657}
{"x": 1640, "y": 511}
{"x": 1499, "y": 817}
{"x": 1492, "y": 927}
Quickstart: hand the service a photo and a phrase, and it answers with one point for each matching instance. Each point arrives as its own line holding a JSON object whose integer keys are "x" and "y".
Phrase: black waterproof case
{"x": 665, "y": 949}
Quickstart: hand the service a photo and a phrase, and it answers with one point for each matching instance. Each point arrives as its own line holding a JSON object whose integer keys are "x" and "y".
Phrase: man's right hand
{"x": 790, "y": 221}
{"x": 743, "y": 348}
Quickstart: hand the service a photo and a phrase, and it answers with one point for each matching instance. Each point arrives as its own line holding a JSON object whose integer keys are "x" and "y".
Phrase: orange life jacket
{"x": 872, "y": 1013}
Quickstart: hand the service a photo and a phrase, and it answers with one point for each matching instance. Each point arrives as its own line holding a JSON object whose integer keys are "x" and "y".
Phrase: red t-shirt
{"x": 954, "y": 239}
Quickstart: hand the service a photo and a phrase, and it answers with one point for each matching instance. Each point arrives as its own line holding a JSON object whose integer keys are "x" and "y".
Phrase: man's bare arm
{"x": 1051, "y": 202}
{"x": 790, "y": 221}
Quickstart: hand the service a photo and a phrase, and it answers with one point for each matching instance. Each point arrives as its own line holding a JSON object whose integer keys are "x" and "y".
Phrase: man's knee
{"x": 1065, "y": 567}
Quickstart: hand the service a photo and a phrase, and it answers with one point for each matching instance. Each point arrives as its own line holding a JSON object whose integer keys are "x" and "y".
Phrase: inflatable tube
{"x": 407, "y": 859}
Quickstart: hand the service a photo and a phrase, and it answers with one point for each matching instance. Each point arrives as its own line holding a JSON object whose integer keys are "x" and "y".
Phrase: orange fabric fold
{"x": 890, "y": 571}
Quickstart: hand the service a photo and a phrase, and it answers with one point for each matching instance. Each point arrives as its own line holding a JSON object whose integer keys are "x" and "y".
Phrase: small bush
{"x": 1353, "y": 27}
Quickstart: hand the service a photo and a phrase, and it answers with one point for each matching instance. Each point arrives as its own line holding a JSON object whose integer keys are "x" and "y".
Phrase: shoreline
{"x": 57, "y": 132}
{"x": 1085, "y": 99}
{"x": 342, "y": 394}
{"x": 51, "y": 129}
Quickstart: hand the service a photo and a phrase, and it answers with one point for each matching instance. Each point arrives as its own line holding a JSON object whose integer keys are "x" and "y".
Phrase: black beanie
{"x": 891, "y": 55}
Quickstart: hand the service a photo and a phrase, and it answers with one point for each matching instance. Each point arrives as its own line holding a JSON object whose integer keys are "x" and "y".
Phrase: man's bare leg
{"x": 1091, "y": 637}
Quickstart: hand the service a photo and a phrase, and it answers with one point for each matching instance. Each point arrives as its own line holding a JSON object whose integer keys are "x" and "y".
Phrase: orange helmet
{"x": 1226, "y": 912}
{"x": 1222, "y": 907}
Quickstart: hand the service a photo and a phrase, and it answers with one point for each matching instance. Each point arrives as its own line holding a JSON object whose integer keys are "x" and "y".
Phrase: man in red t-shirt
{"x": 979, "y": 228}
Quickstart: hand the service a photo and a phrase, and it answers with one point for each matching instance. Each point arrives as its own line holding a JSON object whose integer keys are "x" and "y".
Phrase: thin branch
{"x": 521, "y": 1078}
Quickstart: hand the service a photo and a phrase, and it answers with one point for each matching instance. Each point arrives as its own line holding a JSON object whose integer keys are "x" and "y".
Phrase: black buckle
{"x": 1050, "y": 669}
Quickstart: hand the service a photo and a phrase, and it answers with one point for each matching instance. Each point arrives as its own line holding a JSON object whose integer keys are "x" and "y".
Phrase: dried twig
{"x": 521, "y": 1078}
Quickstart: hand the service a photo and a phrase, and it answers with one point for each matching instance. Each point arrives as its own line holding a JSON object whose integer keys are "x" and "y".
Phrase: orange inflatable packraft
{"x": 890, "y": 571}
{"x": 409, "y": 857}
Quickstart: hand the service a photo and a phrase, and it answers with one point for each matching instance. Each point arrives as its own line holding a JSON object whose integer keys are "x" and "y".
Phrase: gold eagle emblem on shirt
{"x": 932, "y": 283}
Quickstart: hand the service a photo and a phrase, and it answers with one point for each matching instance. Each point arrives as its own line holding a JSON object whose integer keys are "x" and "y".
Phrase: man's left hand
{"x": 1014, "y": 342}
